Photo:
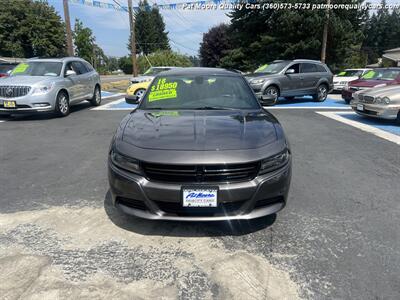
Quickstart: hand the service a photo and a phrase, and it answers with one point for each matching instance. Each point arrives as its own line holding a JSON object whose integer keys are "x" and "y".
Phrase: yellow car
{"x": 137, "y": 89}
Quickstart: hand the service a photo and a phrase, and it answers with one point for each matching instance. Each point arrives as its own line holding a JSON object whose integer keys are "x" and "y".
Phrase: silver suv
{"x": 292, "y": 78}
{"x": 49, "y": 85}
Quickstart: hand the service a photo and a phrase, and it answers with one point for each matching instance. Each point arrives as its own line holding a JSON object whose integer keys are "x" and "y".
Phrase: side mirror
{"x": 266, "y": 100}
{"x": 132, "y": 99}
{"x": 290, "y": 71}
{"x": 70, "y": 73}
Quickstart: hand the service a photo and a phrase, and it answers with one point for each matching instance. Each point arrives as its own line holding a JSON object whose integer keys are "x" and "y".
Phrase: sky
{"x": 185, "y": 27}
{"x": 111, "y": 28}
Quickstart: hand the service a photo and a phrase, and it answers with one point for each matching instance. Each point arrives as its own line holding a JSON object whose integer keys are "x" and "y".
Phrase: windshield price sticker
{"x": 21, "y": 68}
{"x": 163, "y": 90}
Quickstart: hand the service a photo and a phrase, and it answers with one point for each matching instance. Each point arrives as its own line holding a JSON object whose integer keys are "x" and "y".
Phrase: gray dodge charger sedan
{"x": 199, "y": 147}
{"x": 49, "y": 85}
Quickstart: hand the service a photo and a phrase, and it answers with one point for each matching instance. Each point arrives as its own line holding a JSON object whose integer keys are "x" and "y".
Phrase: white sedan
{"x": 343, "y": 78}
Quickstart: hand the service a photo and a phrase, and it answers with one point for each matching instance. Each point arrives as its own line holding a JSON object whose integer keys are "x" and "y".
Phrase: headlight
{"x": 378, "y": 100}
{"x": 126, "y": 163}
{"x": 43, "y": 89}
{"x": 257, "y": 81}
{"x": 272, "y": 163}
{"x": 386, "y": 100}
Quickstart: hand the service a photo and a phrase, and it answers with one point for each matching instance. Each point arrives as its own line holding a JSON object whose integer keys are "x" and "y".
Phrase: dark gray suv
{"x": 293, "y": 78}
{"x": 199, "y": 147}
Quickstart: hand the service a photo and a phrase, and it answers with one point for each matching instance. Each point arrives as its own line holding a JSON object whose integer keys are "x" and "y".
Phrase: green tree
{"x": 157, "y": 59}
{"x": 382, "y": 32}
{"x": 86, "y": 47}
{"x": 214, "y": 45}
{"x": 84, "y": 41}
{"x": 149, "y": 30}
{"x": 265, "y": 35}
{"x": 30, "y": 28}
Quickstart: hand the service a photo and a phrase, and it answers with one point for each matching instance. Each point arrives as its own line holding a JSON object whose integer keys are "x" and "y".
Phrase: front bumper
{"x": 262, "y": 196}
{"x": 388, "y": 112}
{"x": 338, "y": 87}
{"x": 29, "y": 103}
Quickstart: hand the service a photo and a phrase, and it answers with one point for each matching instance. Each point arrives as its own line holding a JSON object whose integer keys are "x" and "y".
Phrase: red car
{"x": 5, "y": 68}
{"x": 374, "y": 78}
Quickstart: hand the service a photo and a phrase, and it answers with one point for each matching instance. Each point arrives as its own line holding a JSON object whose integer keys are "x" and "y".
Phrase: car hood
{"x": 141, "y": 78}
{"x": 369, "y": 83}
{"x": 346, "y": 79}
{"x": 200, "y": 130}
{"x": 26, "y": 80}
{"x": 386, "y": 91}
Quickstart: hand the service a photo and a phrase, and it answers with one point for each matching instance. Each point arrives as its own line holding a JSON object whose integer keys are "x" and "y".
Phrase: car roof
{"x": 299, "y": 61}
{"x": 198, "y": 71}
{"x": 62, "y": 59}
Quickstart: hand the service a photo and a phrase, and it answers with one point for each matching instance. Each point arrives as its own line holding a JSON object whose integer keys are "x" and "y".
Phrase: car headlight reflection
{"x": 272, "y": 163}
{"x": 44, "y": 89}
{"x": 124, "y": 162}
{"x": 257, "y": 81}
{"x": 386, "y": 100}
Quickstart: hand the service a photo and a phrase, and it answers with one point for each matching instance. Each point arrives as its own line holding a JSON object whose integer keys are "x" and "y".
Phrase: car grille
{"x": 368, "y": 99}
{"x": 8, "y": 91}
{"x": 201, "y": 173}
{"x": 176, "y": 208}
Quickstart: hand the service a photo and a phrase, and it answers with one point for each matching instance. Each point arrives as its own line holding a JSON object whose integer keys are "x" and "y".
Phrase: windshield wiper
{"x": 212, "y": 108}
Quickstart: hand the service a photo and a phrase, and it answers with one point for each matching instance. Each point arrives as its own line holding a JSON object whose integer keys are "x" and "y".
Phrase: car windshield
{"x": 350, "y": 73}
{"x": 261, "y": 69}
{"x": 6, "y": 67}
{"x": 38, "y": 68}
{"x": 274, "y": 67}
{"x": 381, "y": 74}
{"x": 154, "y": 71}
{"x": 199, "y": 92}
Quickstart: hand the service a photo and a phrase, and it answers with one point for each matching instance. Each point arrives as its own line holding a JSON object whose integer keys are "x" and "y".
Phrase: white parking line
{"x": 109, "y": 106}
{"x": 335, "y": 115}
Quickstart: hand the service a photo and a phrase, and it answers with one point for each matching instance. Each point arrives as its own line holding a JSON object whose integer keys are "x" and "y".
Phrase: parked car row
{"x": 49, "y": 85}
{"x": 6, "y": 68}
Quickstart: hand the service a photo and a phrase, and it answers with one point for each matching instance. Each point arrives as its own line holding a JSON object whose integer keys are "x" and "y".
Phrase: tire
{"x": 272, "y": 90}
{"x": 62, "y": 105}
{"x": 322, "y": 93}
{"x": 398, "y": 118}
{"x": 96, "y": 99}
{"x": 139, "y": 92}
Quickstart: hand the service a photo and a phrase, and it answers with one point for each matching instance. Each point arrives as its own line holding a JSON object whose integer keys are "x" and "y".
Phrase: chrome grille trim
{"x": 11, "y": 91}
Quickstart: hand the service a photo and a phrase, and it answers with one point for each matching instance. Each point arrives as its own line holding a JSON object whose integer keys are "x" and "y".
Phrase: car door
{"x": 72, "y": 82}
{"x": 83, "y": 80}
{"x": 309, "y": 73}
{"x": 291, "y": 83}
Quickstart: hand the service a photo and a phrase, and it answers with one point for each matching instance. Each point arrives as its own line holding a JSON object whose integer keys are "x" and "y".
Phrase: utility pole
{"x": 325, "y": 33}
{"x": 133, "y": 39}
{"x": 70, "y": 49}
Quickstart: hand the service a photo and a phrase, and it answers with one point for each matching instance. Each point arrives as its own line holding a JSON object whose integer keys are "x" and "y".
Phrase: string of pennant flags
{"x": 170, "y": 6}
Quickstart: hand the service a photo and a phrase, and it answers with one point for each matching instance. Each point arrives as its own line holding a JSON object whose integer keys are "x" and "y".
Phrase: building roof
{"x": 11, "y": 59}
{"x": 393, "y": 50}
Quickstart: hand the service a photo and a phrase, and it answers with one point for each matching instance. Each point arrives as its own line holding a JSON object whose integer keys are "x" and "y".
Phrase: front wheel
{"x": 398, "y": 118}
{"x": 322, "y": 93}
{"x": 272, "y": 91}
{"x": 62, "y": 104}
{"x": 139, "y": 93}
{"x": 96, "y": 99}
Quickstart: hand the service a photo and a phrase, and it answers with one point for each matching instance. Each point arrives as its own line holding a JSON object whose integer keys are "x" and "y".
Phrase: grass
{"x": 116, "y": 86}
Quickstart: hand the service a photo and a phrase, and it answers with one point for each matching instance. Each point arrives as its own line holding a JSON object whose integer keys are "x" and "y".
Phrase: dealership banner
{"x": 170, "y": 6}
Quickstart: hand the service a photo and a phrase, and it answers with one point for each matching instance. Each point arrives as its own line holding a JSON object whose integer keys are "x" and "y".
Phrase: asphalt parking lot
{"x": 338, "y": 237}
